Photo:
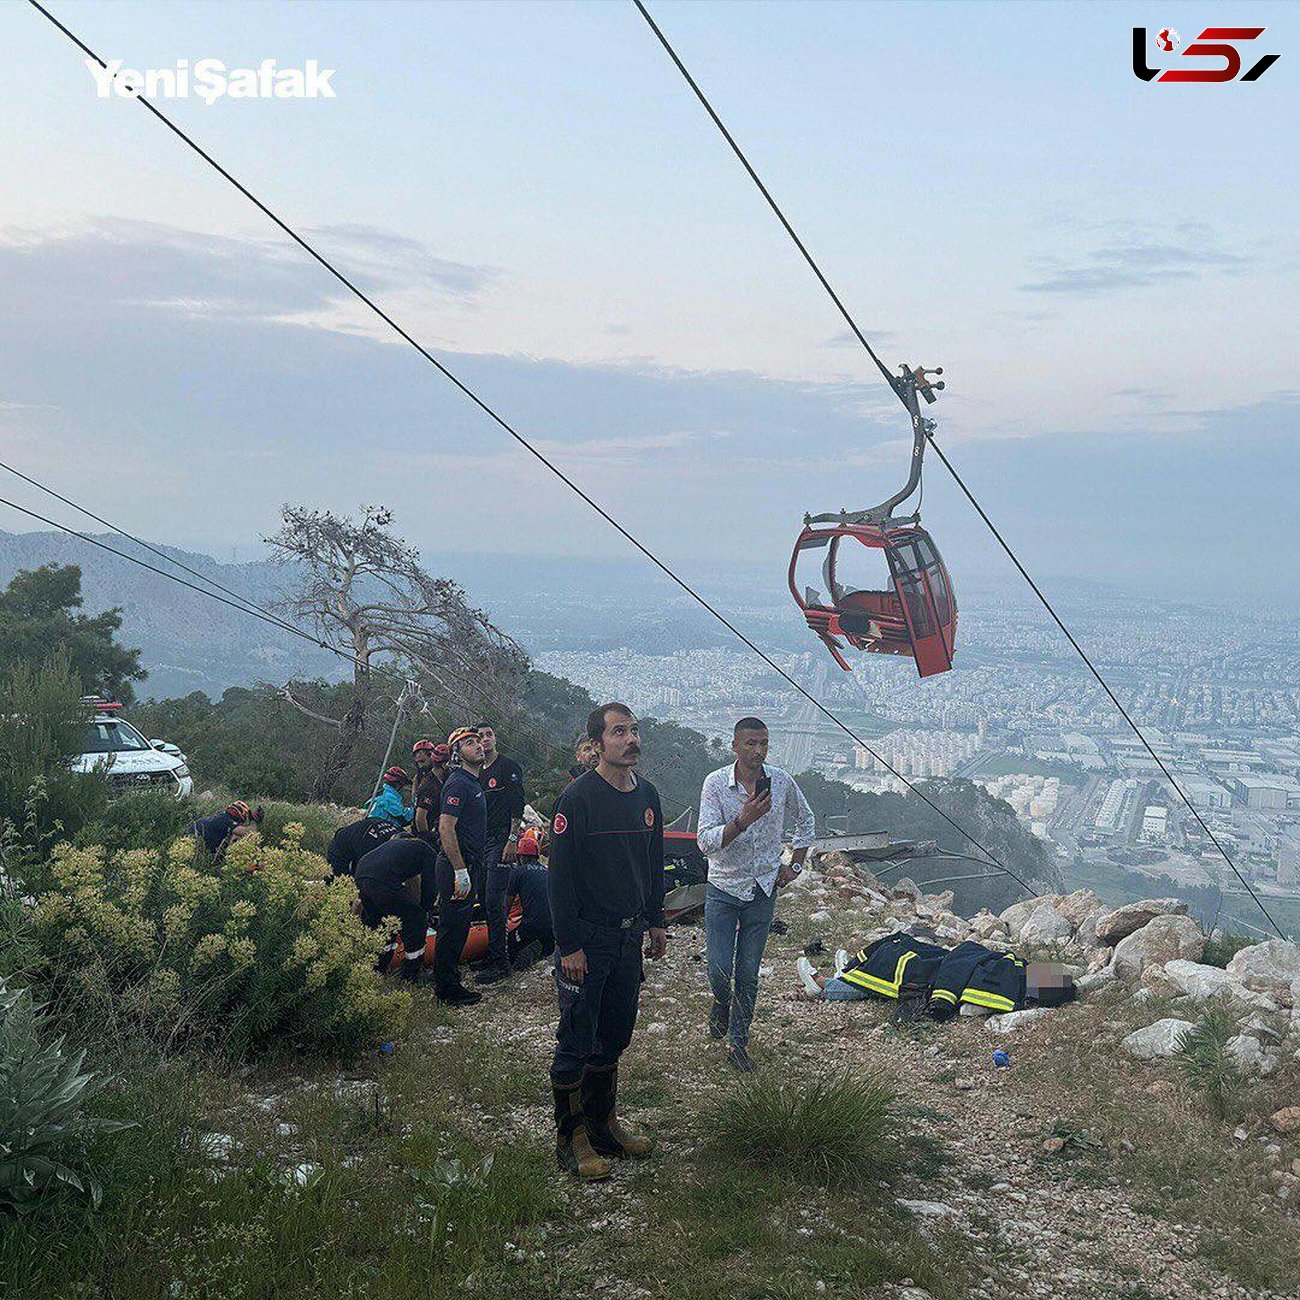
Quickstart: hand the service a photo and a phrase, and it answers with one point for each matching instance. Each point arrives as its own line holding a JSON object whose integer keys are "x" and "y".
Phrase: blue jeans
{"x": 838, "y": 990}
{"x": 736, "y": 930}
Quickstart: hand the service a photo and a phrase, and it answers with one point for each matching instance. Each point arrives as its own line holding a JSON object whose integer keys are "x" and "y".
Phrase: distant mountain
{"x": 195, "y": 643}
{"x": 190, "y": 642}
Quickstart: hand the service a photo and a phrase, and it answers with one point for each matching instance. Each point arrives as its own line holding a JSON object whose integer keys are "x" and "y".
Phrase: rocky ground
{"x": 1093, "y": 1167}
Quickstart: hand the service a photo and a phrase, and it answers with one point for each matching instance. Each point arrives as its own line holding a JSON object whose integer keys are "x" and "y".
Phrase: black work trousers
{"x": 492, "y": 895}
{"x": 597, "y": 1016}
{"x": 453, "y": 927}
{"x": 380, "y": 899}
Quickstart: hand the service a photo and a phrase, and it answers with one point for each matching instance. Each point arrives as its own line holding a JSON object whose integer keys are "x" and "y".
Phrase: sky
{"x": 1107, "y": 270}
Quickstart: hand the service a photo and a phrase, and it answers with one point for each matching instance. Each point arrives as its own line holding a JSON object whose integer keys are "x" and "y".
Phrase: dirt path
{"x": 1131, "y": 1206}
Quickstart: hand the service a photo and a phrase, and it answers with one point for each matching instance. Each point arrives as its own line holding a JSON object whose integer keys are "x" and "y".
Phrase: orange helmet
{"x": 530, "y": 843}
{"x": 461, "y": 733}
{"x": 238, "y": 810}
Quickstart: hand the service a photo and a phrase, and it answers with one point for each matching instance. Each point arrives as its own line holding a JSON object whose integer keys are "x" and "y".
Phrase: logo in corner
{"x": 1213, "y": 44}
{"x": 560, "y": 824}
{"x": 649, "y": 816}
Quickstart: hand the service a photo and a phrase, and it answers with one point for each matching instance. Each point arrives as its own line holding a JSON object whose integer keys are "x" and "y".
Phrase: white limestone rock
{"x": 1045, "y": 926}
{"x": 1163, "y": 939}
{"x": 1161, "y": 1039}
{"x": 1122, "y": 921}
{"x": 1199, "y": 982}
{"x": 1009, "y": 1022}
{"x": 1271, "y": 968}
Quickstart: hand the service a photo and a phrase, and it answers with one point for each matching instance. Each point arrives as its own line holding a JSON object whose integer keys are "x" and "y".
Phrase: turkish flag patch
{"x": 649, "y": 816}
{"x": 453, "y": 801}
{"x": 492, "y": 783}
{"x": 560, "y": 824}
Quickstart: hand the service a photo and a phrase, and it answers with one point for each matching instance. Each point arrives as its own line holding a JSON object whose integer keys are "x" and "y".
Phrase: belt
{"x": 615, "y": 922}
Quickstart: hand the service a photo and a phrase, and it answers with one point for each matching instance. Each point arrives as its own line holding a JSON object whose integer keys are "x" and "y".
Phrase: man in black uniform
{"x": 431, "y": 774}
{"x": 502, "y": 780}
{"x": 606, "y": 883}
{"x": 535, "y": 936}
{"x": 461, "y": 822}
{"x": 352, "y": 842}
{"x": 382, "y": 876}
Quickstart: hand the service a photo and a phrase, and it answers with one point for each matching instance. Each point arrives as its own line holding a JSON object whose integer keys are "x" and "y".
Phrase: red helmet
{"x": 441, "y": 753}
{"x": 423, "y": 747}
{"x": 396, "y": 776}
{"x": 530, "y": 843}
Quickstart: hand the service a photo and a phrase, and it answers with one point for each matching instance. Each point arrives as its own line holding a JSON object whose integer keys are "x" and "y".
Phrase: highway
{"x": 798, "y": 739}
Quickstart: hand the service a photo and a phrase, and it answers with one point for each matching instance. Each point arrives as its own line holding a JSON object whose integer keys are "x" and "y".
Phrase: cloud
{"x": 847, "y": 339}
{"x": 1137, "y": 261}
{"x": 111, "y": 266}
{"x": 391, "y": 260}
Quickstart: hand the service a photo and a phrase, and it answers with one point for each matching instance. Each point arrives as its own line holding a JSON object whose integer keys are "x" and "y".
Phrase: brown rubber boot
{"x": 573, "y": 1148}
{"x": 609, "y": 1135}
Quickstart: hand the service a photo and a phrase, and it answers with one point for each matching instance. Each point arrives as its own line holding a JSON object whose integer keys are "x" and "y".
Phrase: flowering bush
{"x": 259, "y": 947}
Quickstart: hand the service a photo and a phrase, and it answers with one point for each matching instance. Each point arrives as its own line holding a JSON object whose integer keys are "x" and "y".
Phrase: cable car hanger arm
{"x": 911, "y": 385}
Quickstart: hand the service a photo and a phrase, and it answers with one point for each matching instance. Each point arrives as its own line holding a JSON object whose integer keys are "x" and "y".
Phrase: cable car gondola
{"x": 917, "y": 615}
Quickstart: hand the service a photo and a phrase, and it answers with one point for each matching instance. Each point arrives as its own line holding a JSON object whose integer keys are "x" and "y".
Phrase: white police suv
{"x": 130, "y": 761}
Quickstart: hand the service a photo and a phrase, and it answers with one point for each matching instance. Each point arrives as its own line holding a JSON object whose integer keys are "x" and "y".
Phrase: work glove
{"x": 462, "y": 887}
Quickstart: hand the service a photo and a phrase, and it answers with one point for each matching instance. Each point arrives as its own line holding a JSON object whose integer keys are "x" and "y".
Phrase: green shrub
{"x": 151, "y": 819}
{"x": 255, "y": 950}
{"x": 1203, "y": 1055}
{"x": 318, "y": 822}
{"x": 1221, "y": 948}
{"x": 44, "y": 1130}
{"x": 830, "y": 1132}
{"x": 41, "y": 721}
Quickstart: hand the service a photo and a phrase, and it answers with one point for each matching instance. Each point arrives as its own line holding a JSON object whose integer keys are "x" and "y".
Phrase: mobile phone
{"x": 762, "y": 786}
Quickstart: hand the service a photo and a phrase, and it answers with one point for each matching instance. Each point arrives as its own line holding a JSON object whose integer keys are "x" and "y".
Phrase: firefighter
{"x": 431, "y": 772}
{"x": 384, "y": 878}
{"x": 462, "y": 827}
{"x": 352, "y": 842}
{"x": 217, "y": 832}
{"x": 606, "y": 886}
{"x": 535, "y": 935}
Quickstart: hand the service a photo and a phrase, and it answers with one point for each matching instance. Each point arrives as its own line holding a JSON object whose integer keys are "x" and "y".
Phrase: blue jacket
{"x": 388, "y": 805}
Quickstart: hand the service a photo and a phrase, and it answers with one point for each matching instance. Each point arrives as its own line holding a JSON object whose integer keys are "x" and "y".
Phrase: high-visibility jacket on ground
{"x": 893, "y": 963}
{"x": 901, "y": 965}
{"x": 979, "y": 976}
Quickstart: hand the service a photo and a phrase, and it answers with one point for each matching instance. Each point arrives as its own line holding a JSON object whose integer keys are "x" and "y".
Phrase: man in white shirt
{"x": 746, "y": 810}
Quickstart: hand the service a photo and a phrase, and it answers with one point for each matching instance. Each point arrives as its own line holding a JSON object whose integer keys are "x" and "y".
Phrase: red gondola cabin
{"x": 916, "y": 616}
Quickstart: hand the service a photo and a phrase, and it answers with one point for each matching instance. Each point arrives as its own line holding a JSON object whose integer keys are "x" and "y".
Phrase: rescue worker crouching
{"x": 217, "y": 832}
{"x": 352, "y": 842}
{"x": 535, "y": 935}
{"x": 383, "y": 877}
{"x": 606, "y": 886}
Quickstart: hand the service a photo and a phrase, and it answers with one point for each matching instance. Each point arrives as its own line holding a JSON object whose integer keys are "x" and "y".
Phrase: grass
{"x": 1178, "y": 1157}
{"x": 418, "y": 1209}
{"x": 1220, "y": 949}
{"x": 1204, "y": 1058}
{"x": 830, "y": 1133}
